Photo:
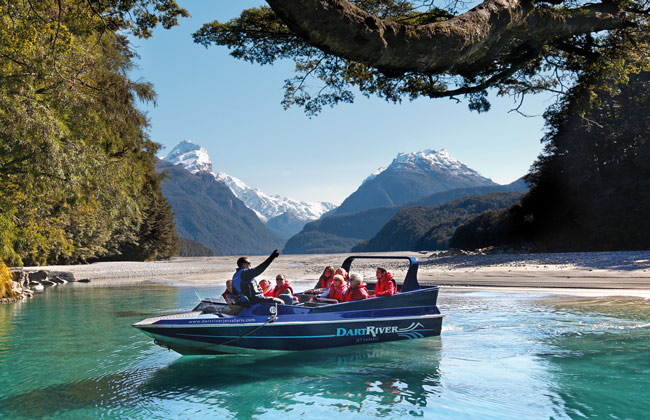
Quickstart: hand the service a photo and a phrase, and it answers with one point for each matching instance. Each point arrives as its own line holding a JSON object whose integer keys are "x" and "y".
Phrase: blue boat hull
{"x": 400, "y": 317}
{"x": 291, "y": 337}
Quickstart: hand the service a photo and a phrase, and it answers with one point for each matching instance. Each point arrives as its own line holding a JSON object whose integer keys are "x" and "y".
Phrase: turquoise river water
{"x": 71, "y": 353}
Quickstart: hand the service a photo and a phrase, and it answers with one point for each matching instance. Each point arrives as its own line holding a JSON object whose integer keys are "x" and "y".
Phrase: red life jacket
{"x": 281, "y": 288}
{"x": 386, "y": 286}
{"x": 324, "y": 282}
{"x": 337, "y": 293}
{"x": 269, "y": 292}
{"x": 229, "y": 298}
{"x": 358, "y": 293}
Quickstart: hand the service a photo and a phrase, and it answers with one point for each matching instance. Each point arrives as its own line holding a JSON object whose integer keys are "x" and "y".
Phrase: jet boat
{"x": 214, "y": 326}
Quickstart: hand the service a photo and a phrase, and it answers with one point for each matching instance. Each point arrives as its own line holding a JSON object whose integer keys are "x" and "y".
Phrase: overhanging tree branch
{"x": 465, "y": 44}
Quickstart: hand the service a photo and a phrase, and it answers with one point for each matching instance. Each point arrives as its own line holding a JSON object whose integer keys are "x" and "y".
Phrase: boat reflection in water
{"x": 384, "y": 380}
{"x": 216, "y": 327}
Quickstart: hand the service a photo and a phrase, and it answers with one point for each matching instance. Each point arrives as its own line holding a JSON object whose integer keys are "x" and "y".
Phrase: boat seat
{"x": 288, "y": 299}
{"x": 327, "y": 301}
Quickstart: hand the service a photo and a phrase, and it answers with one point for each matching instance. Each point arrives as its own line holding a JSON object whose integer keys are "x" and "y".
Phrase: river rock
{"x": 56, "y": 279}
{"x": 21, "y": 277}
{"x": 38, "y": 276}
{"x": 65, "y": 276}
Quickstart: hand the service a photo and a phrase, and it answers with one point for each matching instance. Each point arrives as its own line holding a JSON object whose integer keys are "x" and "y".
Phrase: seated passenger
{"x": 228, "y": 294}
{"x": 267, "y": 290}
{"x": 385, "y": 286}
{"x": 337, "y": 289}
{"x": 357, "y": 290}
{"x": 325, "y": 279}
{"x": 282, "y": 286}
{"x": 342, "y": 272}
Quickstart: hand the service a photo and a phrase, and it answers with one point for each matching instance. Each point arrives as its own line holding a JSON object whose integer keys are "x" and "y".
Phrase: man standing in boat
{"x": 245, "y": 285}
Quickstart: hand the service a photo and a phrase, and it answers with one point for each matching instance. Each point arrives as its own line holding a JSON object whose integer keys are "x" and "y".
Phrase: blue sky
{"x": 232, "y": 108}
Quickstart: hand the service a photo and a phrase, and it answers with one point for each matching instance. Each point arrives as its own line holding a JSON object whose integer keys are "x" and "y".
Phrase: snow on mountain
{"x": 374, "y": 174}
{"x": 195, "y": 159}
{"x": 190, "y": 156}
{"x": 434, "y": 160}
{"x": 411, "y": 176}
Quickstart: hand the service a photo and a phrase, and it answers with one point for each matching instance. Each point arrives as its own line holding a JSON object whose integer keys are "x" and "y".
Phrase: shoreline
{"x": 622, "y": 272}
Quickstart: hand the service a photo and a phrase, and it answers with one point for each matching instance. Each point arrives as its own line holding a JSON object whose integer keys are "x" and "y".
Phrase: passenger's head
{"x": 381, "y": 272}
{"x": 229, "y": 285}
{"x": 342, "y": 272}
{"x": 265, "y": 285}
{"x": 338, "y": 280}
{"x": 355, "y": 279}
{"x": 329, "y": 271}
{"x": 279, "y": 279}
{"x": 243, "y": 262}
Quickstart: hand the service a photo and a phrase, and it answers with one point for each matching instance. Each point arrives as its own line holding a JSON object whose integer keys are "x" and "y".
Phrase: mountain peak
{"x": 432, "y": 159}
{"x": 195, "y": 159}
{"x": 190, "y": 156}
{"x": 411, "y": 176}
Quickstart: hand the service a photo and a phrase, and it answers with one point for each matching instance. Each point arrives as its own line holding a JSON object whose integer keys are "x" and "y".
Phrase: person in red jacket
{"x": 228, "y": 294}
{"x": 325, "y": 279}
{"x": 385, "y": 286}
{"x": 357, "y": 289}
{"x": 337, "y": 289}
{"x": 342, "y": 272}
{"x": 282, "y": 286}
{"x": 266, "y": 288}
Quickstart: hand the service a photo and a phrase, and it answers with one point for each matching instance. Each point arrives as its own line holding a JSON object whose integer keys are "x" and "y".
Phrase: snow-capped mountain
{"x": 411, "y": 176}
{"x": 374, "y": 174}
{"x": 435, "y": 161}
{"x": 195, "y": 159}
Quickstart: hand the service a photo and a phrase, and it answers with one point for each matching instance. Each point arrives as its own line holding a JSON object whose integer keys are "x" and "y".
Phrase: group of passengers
{"x": 338, "y": 285}
{"x": 333, "y": 284}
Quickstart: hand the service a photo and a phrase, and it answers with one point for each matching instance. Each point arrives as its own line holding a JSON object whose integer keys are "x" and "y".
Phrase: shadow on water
{"x": 391, "y": 377}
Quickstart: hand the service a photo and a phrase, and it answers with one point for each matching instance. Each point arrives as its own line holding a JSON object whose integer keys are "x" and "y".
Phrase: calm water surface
{"x": 71, "y": 353}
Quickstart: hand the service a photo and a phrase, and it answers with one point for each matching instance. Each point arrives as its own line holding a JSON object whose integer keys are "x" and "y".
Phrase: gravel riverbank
{"x": 615, "y": 271}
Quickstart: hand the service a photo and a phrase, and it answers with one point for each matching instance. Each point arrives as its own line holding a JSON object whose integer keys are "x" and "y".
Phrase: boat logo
{"x": 272, "y": 310}
{"x": 408, "y": 332}
{"x": 411, "y": 331}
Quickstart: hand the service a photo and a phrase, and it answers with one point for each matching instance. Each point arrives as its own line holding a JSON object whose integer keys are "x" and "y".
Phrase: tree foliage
{"x": 589, "y": 188}
{"x": 77, "y": 176}
{"x": 397, "y": 49}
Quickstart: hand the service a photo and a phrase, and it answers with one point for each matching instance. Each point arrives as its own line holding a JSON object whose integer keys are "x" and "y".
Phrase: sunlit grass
{"x": 6, "y": 291}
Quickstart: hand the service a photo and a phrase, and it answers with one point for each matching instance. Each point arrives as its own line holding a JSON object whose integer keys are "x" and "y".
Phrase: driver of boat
{"x": 245, "y": 285}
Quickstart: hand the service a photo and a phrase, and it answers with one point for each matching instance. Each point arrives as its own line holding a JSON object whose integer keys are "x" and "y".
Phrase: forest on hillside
{"x": 431, "y": 227}
{"x": 77, "y": 179}
{"x": 590, "y": 188}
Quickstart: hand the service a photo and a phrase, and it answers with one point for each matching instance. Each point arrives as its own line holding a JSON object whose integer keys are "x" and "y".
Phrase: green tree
{"x": 589, "y": 188}
{"x": 75, "y": 159}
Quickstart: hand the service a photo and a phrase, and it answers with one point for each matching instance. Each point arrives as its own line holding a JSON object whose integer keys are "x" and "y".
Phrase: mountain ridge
{"x": 411, "y": 176}
{"x": 290, "y": 215}
{"x": 336, "y": 232}
{"x": 206, "y": 211}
